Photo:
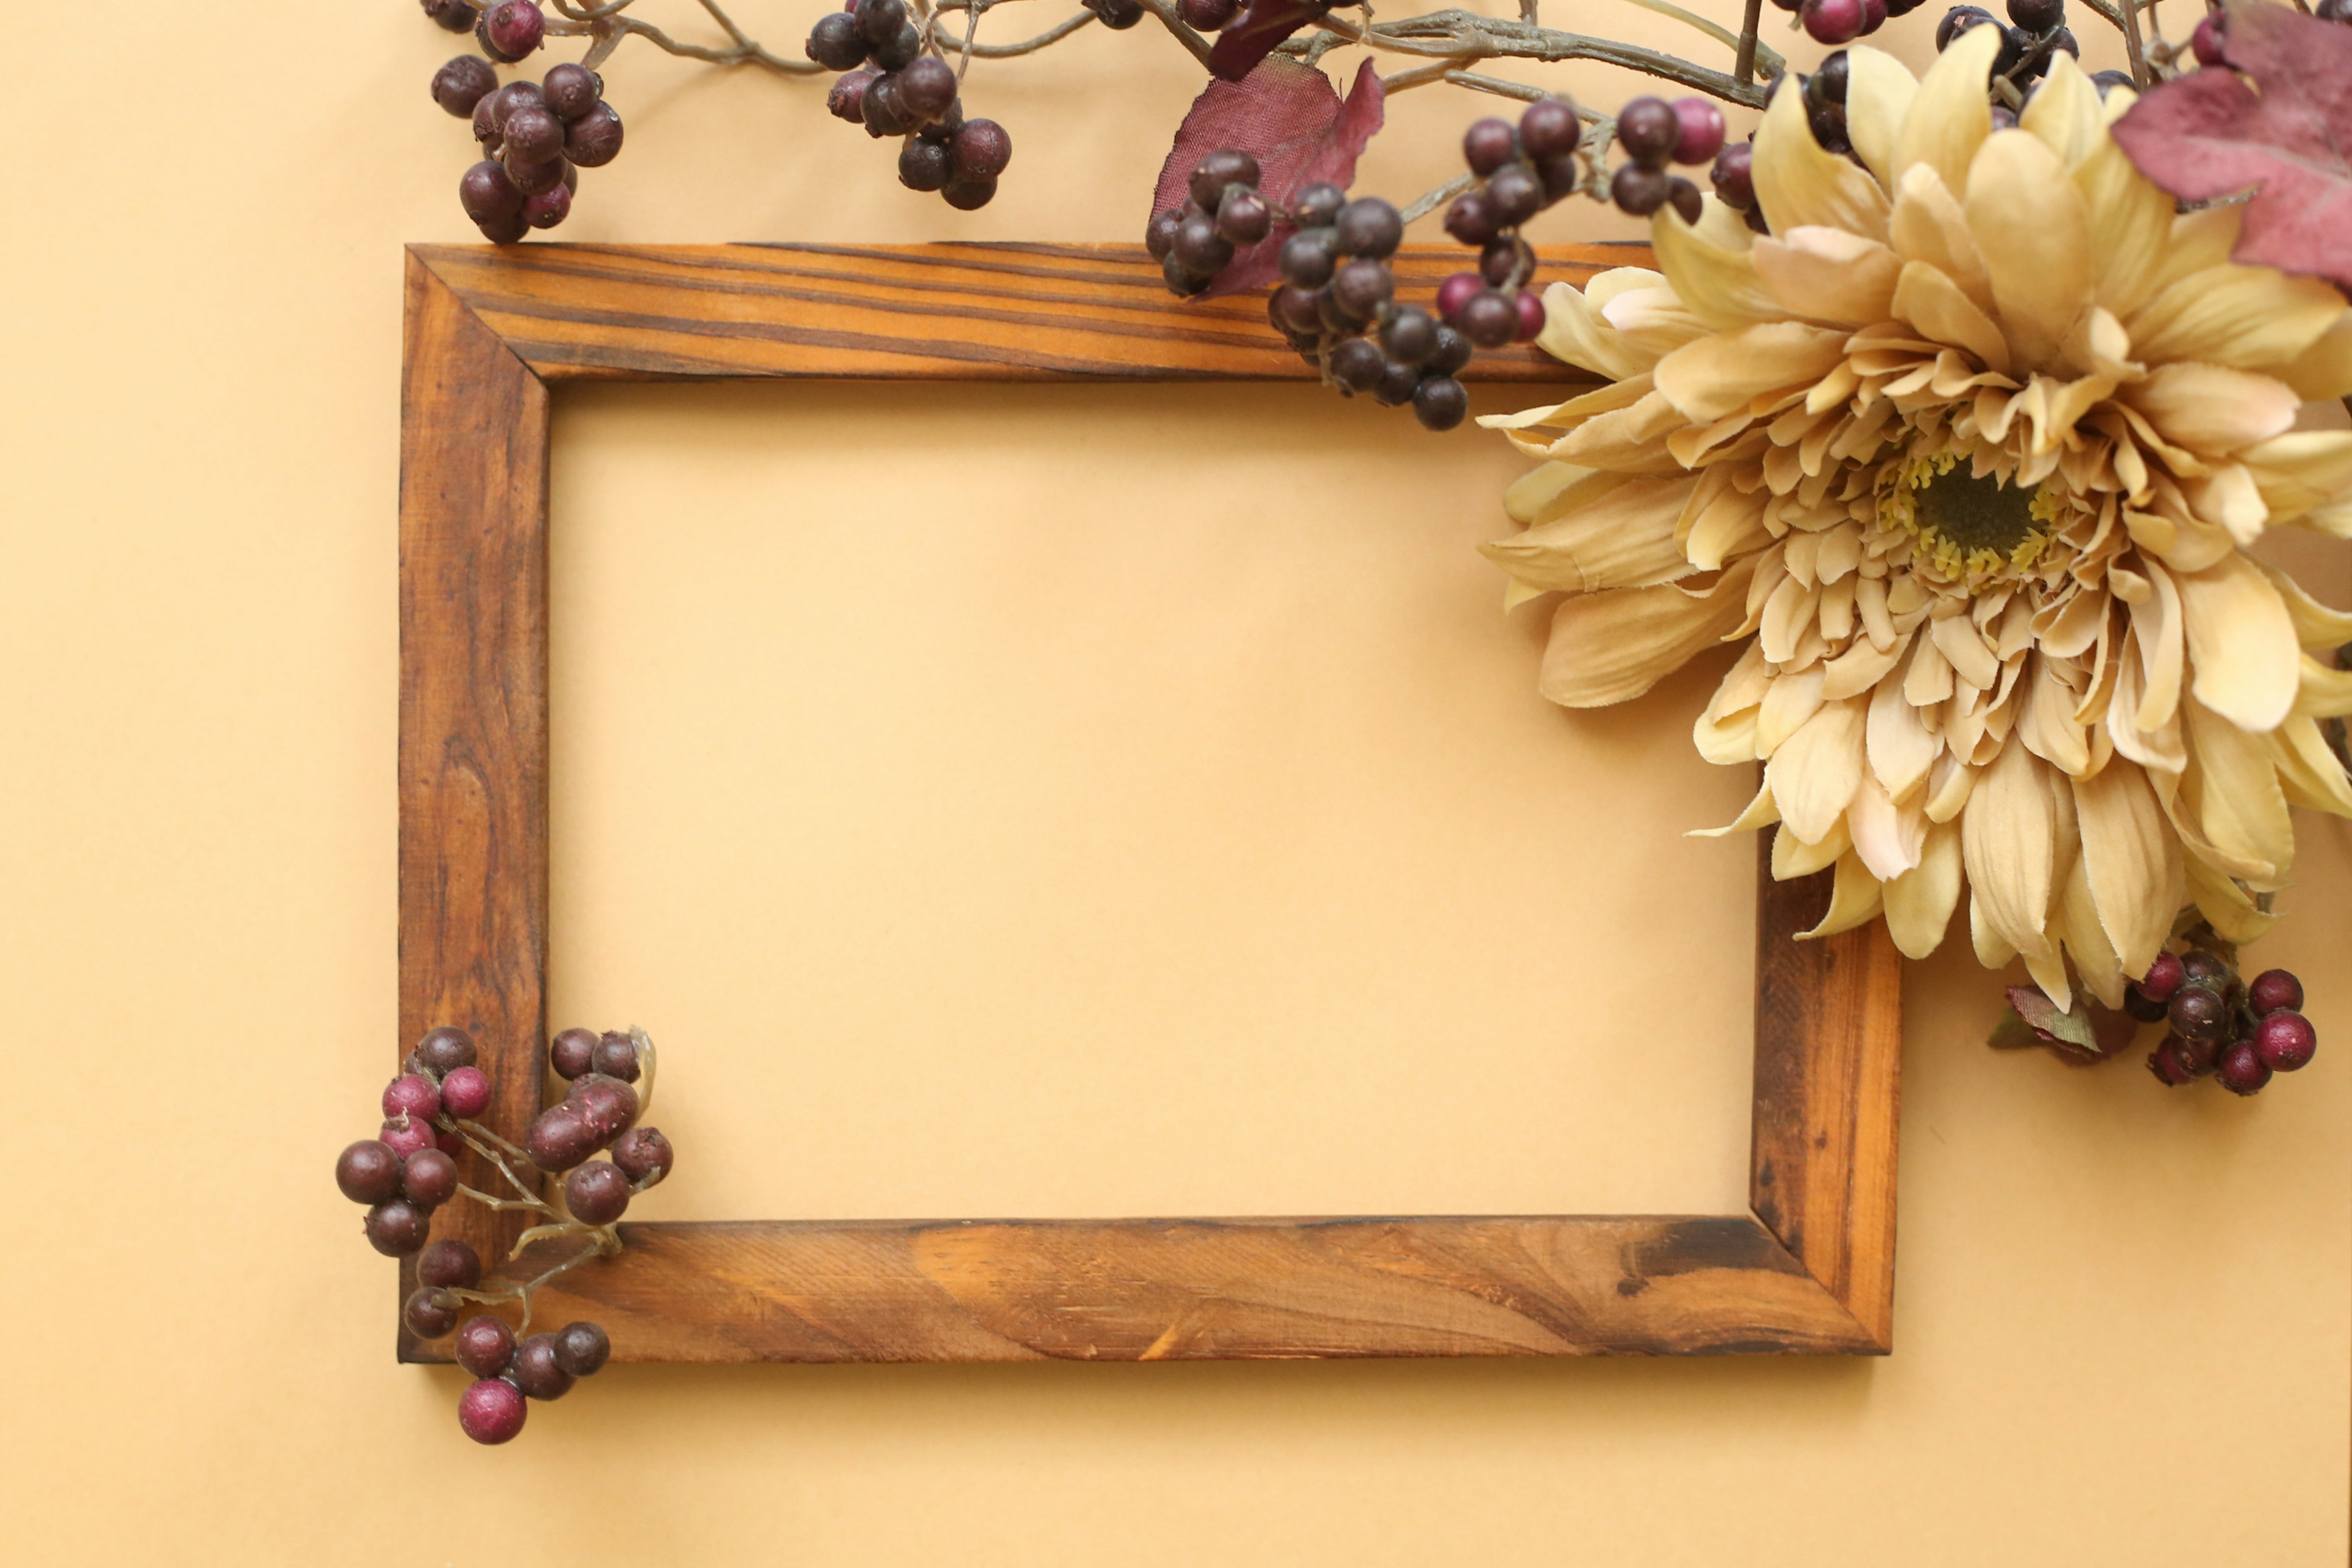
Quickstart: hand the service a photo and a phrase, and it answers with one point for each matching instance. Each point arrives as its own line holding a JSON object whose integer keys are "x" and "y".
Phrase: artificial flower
{"x": 1968, "y": 452}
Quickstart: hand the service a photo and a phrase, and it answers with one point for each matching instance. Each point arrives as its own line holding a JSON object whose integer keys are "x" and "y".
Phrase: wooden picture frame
{"x": 491, "y": 334}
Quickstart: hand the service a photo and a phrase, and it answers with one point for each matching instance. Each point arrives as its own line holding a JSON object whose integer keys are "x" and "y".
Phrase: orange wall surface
{"x": 996, "y": 801}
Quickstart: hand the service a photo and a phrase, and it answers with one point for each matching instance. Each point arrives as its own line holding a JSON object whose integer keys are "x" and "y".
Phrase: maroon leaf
{"x": 2089, "y": 1034}
{"x": 1258, "y": 31}
{"x": 1288, "y": 117}
{"x": 2287, "y": 137}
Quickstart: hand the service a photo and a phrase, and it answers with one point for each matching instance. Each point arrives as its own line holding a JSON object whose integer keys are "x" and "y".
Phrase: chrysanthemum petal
{"x": 1798, "y": 182}
{"x": 1815, "y": 771}
{"x": 2245, "y": 660}
{"x": 1712, "y": 377}
{"x": 1827, "y": 275}
{"x": 2249, "y": 318}
{"x": 2309, "y": 772}
{"x": 1951, "y": 117}
{"x": 1919, "y": 903}
{"x": 2006, "y": 838}
{"x": 1854, "y": 897}
{"x": 2324, "y": 369}
{"x": 2226, "y": 906}
{"x": 2035, "y": 233}
{"x": 1717, "y": 283}
{"x": 1606, "y": 531}
{"x": 2208, "y": 408}
{"x": 1931, "y": 301}
{"x": 2064, "y": 112}
{"x": 2077, "y": 923}
{"x": 1614, "y": 646}
{"x": 2240, "y": 805}
{"x": 1879, "y": 92}
{"x": 2132, "y": 861}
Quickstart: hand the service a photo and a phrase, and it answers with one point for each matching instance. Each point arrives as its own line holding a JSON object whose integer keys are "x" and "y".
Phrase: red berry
{"x": 491, "y": 1411}
{"x": 2285, "y": 1040}
{"x": 411, "y": 1095}
{"x": 449, "y": 1263}
{"x": 448, "y": 1142}
{"x": 2163, "y": 977}
{"x": 368, "y": 1172}
{"x": 465, "y": 1093}
{"x": 1457, "y": 291}
{"x": 2273, "y": 990}
{"x": 643, "y": 1156}
{"x": 598, "y": 1193}
{"x": 2241, "y": 1069}
{"x": 2205, "y": 43}
{"x": 1874, "y": 16}
{"x": 1834, "y": 21}
{"x": 1532, "y": 315}
{"x": 2169, "y": 1068}
{"x": 1700, "y": 134}
{"x": 485, "y": 1345}
{"x": 407, "y": 1135}
{"x": 428, "y": 1178}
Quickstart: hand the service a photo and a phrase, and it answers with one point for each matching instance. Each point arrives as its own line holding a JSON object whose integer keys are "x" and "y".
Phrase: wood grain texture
{"x": 1811, "y": 1271}
{"x": 473, "y": 714}
{"x": 920, "y": 313}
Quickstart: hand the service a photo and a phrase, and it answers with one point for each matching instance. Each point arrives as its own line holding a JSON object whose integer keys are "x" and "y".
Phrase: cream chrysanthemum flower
{"x": 1972, "y": 447}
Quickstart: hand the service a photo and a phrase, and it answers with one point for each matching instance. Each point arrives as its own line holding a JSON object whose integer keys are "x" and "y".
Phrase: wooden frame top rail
{"x": 489, "y": 332}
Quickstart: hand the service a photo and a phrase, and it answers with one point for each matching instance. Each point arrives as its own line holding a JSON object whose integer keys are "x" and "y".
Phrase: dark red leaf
{"x": 1258, "y": 31}
{"x": 2285, "y": 135}
{"x": 1288, "y": 117}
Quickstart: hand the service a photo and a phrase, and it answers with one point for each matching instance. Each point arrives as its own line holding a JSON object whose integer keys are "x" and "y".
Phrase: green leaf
{"x": 2042, "y": 1014}
{"x": 2014, "y": 1034}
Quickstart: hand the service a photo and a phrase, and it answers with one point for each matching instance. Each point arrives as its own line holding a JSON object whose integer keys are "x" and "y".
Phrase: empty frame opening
{"x": 1089, "y": 800}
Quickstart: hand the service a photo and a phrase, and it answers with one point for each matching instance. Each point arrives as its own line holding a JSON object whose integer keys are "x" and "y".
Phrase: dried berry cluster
{"x": 410, "y": 1169}
{"x": 895, "y": 84}
{"x": 535, "y": 137}
{"x": 2236, "y": 1033}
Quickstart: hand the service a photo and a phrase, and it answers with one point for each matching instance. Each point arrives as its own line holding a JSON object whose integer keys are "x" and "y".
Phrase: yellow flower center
{"x": 1971, "y": 527}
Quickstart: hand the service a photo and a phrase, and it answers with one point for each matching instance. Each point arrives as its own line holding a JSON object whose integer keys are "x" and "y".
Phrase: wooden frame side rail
{"x": 489, "y": 334}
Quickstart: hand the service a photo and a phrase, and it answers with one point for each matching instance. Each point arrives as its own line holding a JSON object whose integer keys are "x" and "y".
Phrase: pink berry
{"x": 1700, "y": 134}
{"x": 2243, "y": 1069}
{"x": 2285, "y": 1041}
{"x": 1456, "y": 291}
{"x": 407, "y": 1135}
{"x": 1874, "y": 16}
{"x": 2273, "y": 990}
{"x": 1532, "y": 315}
{"x": 411, "y": 1095}
{"x": 2205, "y": 43}
{"x": 2165, "y": 976}
{"x": 492, "y": 1410}
{"x": 465, "y": 1093}
{"x": 1834, "y": 21}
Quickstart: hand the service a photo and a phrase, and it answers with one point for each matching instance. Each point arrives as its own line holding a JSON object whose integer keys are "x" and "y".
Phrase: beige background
{"x": 1034, "y": 802}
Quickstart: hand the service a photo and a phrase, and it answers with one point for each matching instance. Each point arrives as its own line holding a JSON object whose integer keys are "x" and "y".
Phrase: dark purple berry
{"x": 1735, "y": 180}
{"x": 616, "y": 1057}
{"x": 2199, "y": 1015}
{"x": 879, "y": 21}
{"x": 606, "y": 1104}
{"x": 1532, "y": 315}
{"x": 491, "y": 1411}
{"x": 846, "y": 98}
{"x": 368, "y": 1172}
{"x": 560, "y": 1138}
{"x": 1453, "y": 351}
{"x": 2200, "y": 968}
{"x": 1356, "y": 365}
{"x": 1361, "y": 287}
{"x": 450, "y": 15}
{"x": 1243, "y": 218}
{"x": 1197, "y": 247}
{"x": 1488, "y": 144}
{"x": 2333, "y": 10}
{"x": 573, "y": 1053}
{"x": 545, "y": 209}
{"x": 2167, "y": 1067}
{"x": 1410, "y": 336}
{"x": 2285, "y": 1041}
{"x": 1640, "y": 190}
{"x": 428, "y": 1178}
{"x": 2163, "y": 977}
{"x": 643, "y": 1156}
{"x": 2241, "y": 1069}
{"x": 1206, "y": 15}
{"x": 485, "y": 1345}
{"x": 430, "y": 1313}
{"x": 926, "y": 87}
{"x": 569, "y": 91}
{"x": 982, "y": 149}
{"x": 511, "y": 28}
{"x": 485, "y": 122}
{"x": 835, "y": 43}
{"x": 1316, "y": 205}
{"x": 581, "y": 1349}
{"x": 1699, "y": 136}
{"x": 1226, "y": 166}
{"x": 2273, "y": 991}
{"x": 1958, "y": 20}
{"x": 530, "y": 179}
{"x": 593, "y": 140}
{"x": 922, "y": 166}
{"x": 449, "y": 1263}
{"x": 1160, "y": 234}
{"x": 504, "y": 230}
{"x": 1549, "y": 129}
{"x": 1491, "y": 319}
{"x": 461, "y": 86}
{"x": 596, "y": 1193}
{"x": 1307, "y": 258}
{"x": 538, "y": 1372}
{"x": 1471, "y": 218}
{"x": 2142, "y": 1007}
{"x": 396, "y": 1227}
{"x": 1515, "y": 194}
{"x": 1397, "y": 385}
{"x": 1647, "y": 128}
{"x": 2198, "y": 1055}
{"x": 1296, "y": 310}
{"x": 1684, "y": 197}
{"x": 1440, "y": 402}
{"x": 1117, "y": 14}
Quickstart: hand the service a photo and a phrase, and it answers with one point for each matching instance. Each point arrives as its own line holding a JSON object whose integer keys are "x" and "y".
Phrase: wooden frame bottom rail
{"x": 489, "y": 334}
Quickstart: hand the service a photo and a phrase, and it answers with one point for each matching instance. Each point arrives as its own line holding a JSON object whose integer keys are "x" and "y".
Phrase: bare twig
{"x": 1743, "y": 64}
